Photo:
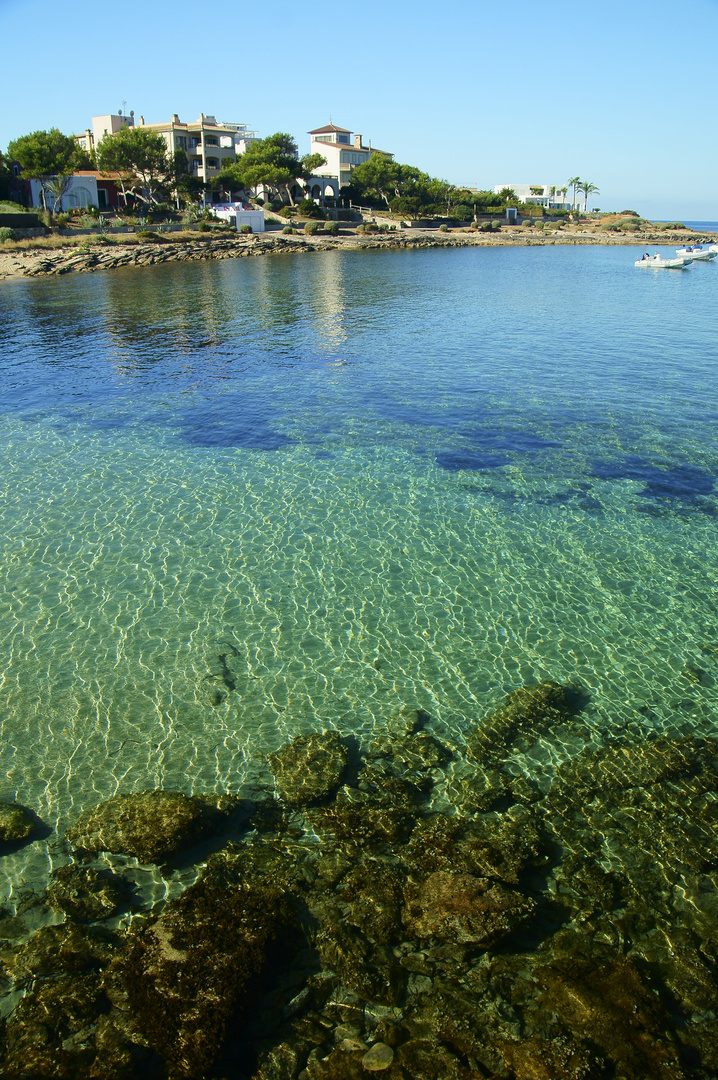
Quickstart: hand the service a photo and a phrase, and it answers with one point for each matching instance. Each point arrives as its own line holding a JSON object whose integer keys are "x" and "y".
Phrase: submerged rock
{"x": 612, "y": 1007}
{"x": 309, "y": 768}
{"x": 557, "y": 1058}
{"x": 360, "y": 820}
{"x": 655, "y": 803}
{"x": 528, "y": 711}
{"x": 464, "y": 909}
{"x": 500, "y": 848}
{"x": 374, "y": 893}
{"x": 378, "y": 1057}
{"x": 16, "y": 824}
{"x": 86, "y": 893}
{"x": 151, "y": 825}
{"x": 52, "y": 1031}
{"x": 183, "y": 976}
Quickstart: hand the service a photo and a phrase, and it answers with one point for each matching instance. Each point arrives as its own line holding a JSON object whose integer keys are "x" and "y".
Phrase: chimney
{"x": 142, "y": 121}
{"x": 357, "y": 142}
{"x": 175, "y": 118}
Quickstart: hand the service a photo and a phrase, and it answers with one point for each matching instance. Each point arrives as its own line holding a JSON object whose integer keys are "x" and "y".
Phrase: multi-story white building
{"x": 343, "y": 152}
{"x": 550, "y": 196}
{"x": 208, "y": 143}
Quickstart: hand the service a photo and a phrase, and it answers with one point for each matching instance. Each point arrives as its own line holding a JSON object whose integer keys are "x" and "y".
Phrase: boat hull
{"x": 657, "y": 263}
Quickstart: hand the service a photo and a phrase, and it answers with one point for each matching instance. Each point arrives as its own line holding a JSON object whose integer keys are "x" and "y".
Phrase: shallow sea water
{"x": 244, "y": 500}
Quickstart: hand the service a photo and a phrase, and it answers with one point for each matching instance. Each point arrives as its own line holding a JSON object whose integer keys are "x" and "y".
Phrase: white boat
{"x": 698, "y": 253}
{"x": 659, "y": 262}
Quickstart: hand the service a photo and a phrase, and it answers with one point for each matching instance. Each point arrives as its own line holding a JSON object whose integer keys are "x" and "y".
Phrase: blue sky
{"x": 622, "y": 94}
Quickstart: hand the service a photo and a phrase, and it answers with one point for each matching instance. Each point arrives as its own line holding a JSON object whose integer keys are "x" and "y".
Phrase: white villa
{"x": 343, "y": 152}
{"x": 208, "y": 143}
{"x": 549, "y": 196}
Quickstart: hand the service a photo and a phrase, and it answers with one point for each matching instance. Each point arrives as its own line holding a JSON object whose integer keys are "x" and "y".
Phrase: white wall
{"x": 81, "y": 192}
{"x": 255, "y": 218}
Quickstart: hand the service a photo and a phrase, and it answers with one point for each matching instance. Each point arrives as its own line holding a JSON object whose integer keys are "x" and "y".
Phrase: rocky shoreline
{"x": 343, "y": 926}
{"x": 43, "y": 261}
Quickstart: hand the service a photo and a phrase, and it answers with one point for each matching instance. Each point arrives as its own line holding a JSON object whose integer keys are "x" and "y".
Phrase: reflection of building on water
{"x": 330, "y": 302}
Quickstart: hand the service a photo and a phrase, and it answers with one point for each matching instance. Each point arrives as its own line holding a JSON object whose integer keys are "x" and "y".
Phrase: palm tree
{"x": 551, "y": 195}
{"x": 587, "y": 189}
{"x": 563, "y": 191}
{"x": 575, "y": 183}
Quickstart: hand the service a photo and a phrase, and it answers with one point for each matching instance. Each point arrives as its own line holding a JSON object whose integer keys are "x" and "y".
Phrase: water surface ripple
{"x": 247, "y": 499}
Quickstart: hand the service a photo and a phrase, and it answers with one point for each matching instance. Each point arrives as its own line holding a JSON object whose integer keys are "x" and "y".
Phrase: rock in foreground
{"x": 151, "y": 825}
{"x": 309, "y": 768}
{"x": 16, "y": 824}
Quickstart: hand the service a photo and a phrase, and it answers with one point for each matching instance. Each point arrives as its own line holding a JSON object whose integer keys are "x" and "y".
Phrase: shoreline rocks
{"x": 43, "y": 262}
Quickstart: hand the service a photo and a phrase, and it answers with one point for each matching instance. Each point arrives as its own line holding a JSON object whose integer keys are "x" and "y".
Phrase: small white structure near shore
{"x": 236, "y": 213}
{"x": 549, "y": 196}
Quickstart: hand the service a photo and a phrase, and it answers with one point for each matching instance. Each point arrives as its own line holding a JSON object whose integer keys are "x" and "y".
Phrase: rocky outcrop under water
{"x": 346, "y": 927}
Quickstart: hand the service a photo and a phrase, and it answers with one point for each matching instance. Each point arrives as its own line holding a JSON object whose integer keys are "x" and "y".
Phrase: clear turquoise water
{"x": 329, "y": 487}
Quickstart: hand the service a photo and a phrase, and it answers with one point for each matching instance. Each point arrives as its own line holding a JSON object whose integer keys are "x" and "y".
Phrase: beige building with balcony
{"x": 209, "y": 144}
{"x": 343, "y": 151}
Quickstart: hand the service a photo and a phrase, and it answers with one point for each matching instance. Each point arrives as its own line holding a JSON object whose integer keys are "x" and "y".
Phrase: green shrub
{"x": 630, "y": 225}
{"x": 311, "y": 228}
{"x": 538, "y": 224}
{"x": 527, "y": 221}
{"x": 276, "y": 205}
{"x": 308, "y": 208}
{"x": 202, "y": 226}
{"x": 245, "y": 228}
{"x": 496, "y": 224}
{"x": 288, "y": 229}
{"x": 148, "y": 236}
{"x": 286, "y": 211}
{"x": 332, "y": 227}
{"x": 443, "y": 228}
{"x": 461, "y": 212}
{"x": 7, "y": 234}
{"x": 485, "y": 226}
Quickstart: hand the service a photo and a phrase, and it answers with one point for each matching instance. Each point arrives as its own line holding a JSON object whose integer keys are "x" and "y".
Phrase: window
{"x": 343, "y": 156}
{"x": 211, "y": 141}
{"x": 212, "y": 163}
{"x": 181, "y": 141}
